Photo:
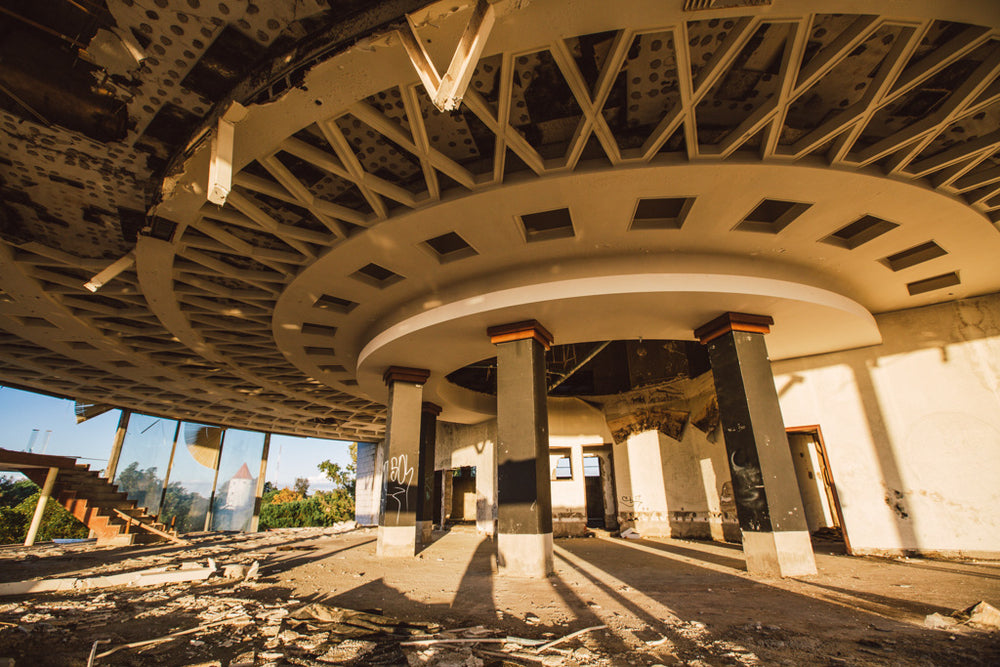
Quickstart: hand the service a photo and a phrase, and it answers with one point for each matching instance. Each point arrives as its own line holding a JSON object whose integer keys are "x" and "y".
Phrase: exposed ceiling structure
{"x": 617, "y": 170}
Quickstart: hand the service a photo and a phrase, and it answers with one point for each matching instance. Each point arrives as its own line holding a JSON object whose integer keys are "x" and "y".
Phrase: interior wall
{"x": 912, "y": 429}
{"x": 671, "y": 488}
{"x": 812, "y": 488}
{"x": 473, "y": 445}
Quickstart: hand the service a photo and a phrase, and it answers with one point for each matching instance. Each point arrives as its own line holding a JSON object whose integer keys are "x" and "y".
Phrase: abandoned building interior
{"x": 716, "y": 270}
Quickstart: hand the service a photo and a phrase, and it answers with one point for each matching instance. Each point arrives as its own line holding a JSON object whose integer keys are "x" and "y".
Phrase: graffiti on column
{"x": 400, "y": 478}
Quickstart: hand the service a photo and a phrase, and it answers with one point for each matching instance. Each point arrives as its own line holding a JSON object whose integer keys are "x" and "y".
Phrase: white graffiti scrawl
{"x": 401, "y": 475}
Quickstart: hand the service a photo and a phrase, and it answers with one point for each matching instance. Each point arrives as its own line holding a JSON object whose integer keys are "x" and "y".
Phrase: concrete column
{"x": 397, "y": 521}
{"x": 425, "y": 471}
{"x": 255, "y": 520}
{"x": 775, "y": 537}
{"x": 43, "y": 499}
{"x": 116, "y": 447}
{"x": 524, "y": 493}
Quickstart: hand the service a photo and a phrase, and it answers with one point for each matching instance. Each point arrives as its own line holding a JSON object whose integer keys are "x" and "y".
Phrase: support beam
{"x": 768, "y": 504}
{"x": 259, "y": 495}
{"x": 115, "y": 269}
{"x": 220, "y": 167}
{"x": 116, "y": 447}
{"x": 43, "y": 499}
{"x": 166, "y": 476}
{"x": 215, "y": 482}
{"x": 397, "y": 521}
{"x": 447, "y": 91}
{"x": 524, "y": 493}
{"x": 425, "y": 472}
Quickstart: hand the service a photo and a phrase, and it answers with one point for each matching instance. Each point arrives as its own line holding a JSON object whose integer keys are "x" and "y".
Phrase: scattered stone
{"x": 234, "y": 571}
{"x": 937, "y": 621}
{"x": 983, "y": 614}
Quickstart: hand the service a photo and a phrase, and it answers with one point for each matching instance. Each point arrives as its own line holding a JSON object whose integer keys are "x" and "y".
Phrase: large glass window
{"x": 237, "y": 485}
{"x": 186, "y": 503}
{"x": 144, "y": 459}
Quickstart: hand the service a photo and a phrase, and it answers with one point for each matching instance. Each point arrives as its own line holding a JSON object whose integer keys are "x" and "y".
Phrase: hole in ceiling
{"x": 931, "y": 284}
{"x": 862, "y": 230}
{"x": 311, "y": 329}
{"x": 661, "y": 213}
{"x": 772, "y": 215}
{"x": 376, "y": 276}
{"x": 547, "y": 225}
{"x": 450, "y": 247}
{"x": 915, "y": 255}
{"x": 334, "y": 303}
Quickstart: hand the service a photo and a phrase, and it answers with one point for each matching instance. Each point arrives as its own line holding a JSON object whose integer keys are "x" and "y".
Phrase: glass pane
{"x": 186, "y": 503}
{"x": 237, "y": 487}
{"x": 144, "y": 459}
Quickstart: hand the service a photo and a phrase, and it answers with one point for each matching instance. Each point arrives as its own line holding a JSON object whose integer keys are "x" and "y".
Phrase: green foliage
{"x": 145, "y": 488}
{"x": 13, "y": 491}
{"x": 342, "y": 478}
{"x": 323, "y": 508}
{"x": 288, "y": 509}
{"x": 301, "y": 486}
{"x": 17, "y": 506}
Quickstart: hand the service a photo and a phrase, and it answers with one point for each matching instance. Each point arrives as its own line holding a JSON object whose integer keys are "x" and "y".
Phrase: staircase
{"x": 91, "y": 498}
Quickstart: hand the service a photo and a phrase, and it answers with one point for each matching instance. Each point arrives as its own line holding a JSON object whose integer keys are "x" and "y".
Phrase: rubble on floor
{"x": 320, "y": 597}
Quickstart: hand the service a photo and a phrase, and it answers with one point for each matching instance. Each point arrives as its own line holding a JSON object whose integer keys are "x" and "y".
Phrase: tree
{"x": 342, "y": 478}
{"x": 301, "y": 486}
{"x": 18, "y": 499}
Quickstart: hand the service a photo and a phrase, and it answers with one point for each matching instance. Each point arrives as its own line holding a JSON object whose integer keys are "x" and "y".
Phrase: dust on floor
{"x": 321, "y": 597}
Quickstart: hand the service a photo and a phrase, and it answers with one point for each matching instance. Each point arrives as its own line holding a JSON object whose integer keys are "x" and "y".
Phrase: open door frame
{"x": 817, "y": 433}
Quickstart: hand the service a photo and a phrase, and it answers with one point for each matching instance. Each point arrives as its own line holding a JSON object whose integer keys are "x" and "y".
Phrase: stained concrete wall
{"x": 573, "y": 424}
{"x": 673, "y": 488}
{"x": 912, "y": 429}
{"x": 474, "y": 445}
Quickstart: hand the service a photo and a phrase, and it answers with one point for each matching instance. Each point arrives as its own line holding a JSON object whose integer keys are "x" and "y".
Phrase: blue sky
{"x": 22, "y": 411}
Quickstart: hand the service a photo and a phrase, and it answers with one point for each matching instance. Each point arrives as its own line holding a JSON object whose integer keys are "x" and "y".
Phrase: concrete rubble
{"x": 227, "y": 614}
{"x": 317, "y": 597}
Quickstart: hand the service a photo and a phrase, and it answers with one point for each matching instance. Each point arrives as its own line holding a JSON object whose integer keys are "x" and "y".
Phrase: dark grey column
{"x": 397, "y": 521}
{"x": 524, "y": 494}
{"x": 425, "y": 473}
{"x": 775, "y": 537}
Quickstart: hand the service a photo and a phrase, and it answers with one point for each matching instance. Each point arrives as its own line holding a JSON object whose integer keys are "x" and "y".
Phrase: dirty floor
{"x": 662, "y": 602}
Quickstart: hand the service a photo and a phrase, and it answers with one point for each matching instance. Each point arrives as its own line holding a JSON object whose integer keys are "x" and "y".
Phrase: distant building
{"x": 241, "y": 488}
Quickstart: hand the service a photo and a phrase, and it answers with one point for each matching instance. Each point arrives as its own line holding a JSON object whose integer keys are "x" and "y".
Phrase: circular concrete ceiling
{"x": 615, "y": 170}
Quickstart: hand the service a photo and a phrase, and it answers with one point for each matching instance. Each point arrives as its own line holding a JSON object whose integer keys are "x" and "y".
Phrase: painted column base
{"x": 424, "y": 530}
{"x": 525, "y": 555}
{"x": 779, "y": 554}
{"x": 396, "y": 541}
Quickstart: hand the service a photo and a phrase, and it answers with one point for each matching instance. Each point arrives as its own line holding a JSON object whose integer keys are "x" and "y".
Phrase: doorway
{"x": 820, "y": 502}
{"x": 462, "y": 505}
{"x": 594, "y": 491}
